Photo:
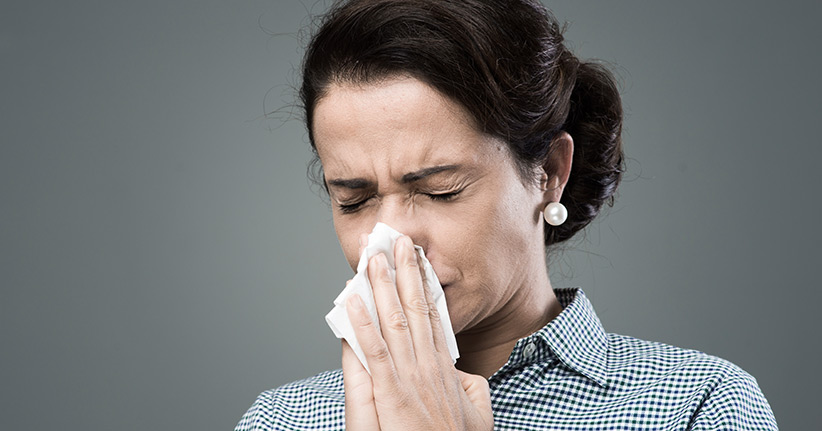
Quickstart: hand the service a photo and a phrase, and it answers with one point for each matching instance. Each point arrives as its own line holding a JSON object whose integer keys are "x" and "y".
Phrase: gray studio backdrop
{"x": 163, "y": 258}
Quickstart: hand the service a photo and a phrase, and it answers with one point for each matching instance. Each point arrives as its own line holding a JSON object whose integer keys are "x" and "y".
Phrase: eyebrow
{"x": 354, "y": 183}
{"x": 361, "y": 183}
{"x": 426, "y": 172}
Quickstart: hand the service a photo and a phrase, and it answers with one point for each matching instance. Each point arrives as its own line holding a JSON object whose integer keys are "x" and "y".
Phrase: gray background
{"x": 163, "y": 258}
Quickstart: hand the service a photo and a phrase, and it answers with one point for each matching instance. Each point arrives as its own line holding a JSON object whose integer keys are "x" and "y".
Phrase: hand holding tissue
{"x": 381, "y": 240}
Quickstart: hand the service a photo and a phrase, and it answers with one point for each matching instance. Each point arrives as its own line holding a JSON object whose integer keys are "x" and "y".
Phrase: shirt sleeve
{"x": 736, "y": 403}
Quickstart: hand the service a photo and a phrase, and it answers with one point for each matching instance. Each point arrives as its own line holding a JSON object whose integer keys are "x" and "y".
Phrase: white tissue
{"x": 382, "y": 240}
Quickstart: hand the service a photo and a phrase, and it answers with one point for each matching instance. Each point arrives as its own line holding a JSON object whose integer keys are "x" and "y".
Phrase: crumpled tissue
{"x": 381, "y": 240}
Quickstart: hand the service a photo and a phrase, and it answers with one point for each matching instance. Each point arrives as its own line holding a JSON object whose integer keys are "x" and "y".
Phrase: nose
{"x": 401, "y": 214}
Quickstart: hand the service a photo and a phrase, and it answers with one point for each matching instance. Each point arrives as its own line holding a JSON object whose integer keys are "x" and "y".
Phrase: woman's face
{"x": 400, "y": 153}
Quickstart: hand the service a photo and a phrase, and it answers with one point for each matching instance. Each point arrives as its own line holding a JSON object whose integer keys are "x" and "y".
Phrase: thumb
{"x": 360, "y": 408}
{"x": 479, "y": 394}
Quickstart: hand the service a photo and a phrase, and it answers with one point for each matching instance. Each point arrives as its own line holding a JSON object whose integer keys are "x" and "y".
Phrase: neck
{"x": 485, "y": 348}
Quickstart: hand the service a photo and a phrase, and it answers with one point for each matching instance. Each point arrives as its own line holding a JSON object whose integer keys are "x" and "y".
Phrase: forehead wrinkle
{"x": 418, "y": 130}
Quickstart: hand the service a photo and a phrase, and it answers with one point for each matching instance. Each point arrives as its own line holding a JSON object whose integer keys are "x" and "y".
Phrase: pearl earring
{"x": 555, "y": 213}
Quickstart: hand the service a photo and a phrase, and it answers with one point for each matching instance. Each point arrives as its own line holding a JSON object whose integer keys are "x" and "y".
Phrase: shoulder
{"x": 316, "y": 402}
{"x": 630, "y": 356}
{"x": 720, "y": 394}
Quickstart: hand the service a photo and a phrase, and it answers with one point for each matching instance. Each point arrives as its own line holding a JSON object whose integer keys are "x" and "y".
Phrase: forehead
{"x": 393, "y": 127}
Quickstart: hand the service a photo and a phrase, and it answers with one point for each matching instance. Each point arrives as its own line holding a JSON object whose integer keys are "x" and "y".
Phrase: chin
{"x": 458, "y": 320}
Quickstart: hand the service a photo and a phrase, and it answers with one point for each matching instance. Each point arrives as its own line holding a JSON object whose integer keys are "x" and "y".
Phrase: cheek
{"x": 465, "y": 242}
{"x": 349, "y": 227}
{"x": 348, "y": 234}
{"x": 517, "y": 218}
{"x": 503, "y": 235}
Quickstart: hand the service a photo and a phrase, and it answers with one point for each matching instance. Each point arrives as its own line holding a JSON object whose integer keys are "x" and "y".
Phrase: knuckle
{"x": 381, "y": 353}
{"x": 433, "y": 312}
{"x": 419, "y": 306}
{"x": 402, "y": 399}
{"x": 365, "y": 324}
{"x": 397, "y": 320}
{"x": 373, "y": 347}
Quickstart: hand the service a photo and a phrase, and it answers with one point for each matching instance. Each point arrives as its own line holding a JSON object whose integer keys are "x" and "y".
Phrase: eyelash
{"x": 439, "y": 197}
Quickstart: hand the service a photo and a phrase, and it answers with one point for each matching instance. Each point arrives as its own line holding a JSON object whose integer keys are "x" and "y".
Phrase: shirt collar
{"x": 575, "y": 337}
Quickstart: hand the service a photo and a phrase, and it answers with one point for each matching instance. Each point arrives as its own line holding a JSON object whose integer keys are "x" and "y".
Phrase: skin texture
{"x": 399, "y": 152}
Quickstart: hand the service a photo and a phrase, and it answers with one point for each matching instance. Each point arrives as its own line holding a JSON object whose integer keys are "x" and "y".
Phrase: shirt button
{"x": 529, "y": 350}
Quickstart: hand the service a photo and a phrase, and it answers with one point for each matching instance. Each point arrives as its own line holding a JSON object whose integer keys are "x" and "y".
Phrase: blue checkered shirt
{"x": 570, "y": 375}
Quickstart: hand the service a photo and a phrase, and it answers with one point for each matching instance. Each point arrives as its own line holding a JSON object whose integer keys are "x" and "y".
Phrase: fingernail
{"x": 408, "y": 243}
{"x": 355, "y": 302}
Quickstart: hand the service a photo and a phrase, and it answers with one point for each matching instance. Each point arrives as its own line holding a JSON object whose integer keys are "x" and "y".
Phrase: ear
{"x": 557, "y": 168}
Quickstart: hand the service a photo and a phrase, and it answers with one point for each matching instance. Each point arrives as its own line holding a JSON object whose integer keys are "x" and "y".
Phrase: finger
{"x": 479, "y": 394}
{"x": 393, "y": 322}
{"x": 363, "y": 241}
{"x": 360, "y": 408}
{"x": 437, "y": 330}
{"x": 412, "y": 296}
{"x": 372, "y": 343}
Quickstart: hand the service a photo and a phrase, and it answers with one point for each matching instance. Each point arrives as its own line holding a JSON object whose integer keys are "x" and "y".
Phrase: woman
{"x": 467, "y": 126}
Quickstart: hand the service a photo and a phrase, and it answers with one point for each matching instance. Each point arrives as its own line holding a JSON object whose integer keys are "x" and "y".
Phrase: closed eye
{"x": 440, "y": 197}
{"x": 351, "y": 208}
{"x": 443, "y": 196}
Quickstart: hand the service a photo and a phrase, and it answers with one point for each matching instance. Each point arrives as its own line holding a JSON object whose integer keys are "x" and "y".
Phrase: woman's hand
{"x": 413, "y": 383}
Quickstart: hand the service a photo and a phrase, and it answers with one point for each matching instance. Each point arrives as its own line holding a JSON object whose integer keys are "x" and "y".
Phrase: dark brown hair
{"x": 504, "y": 61}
